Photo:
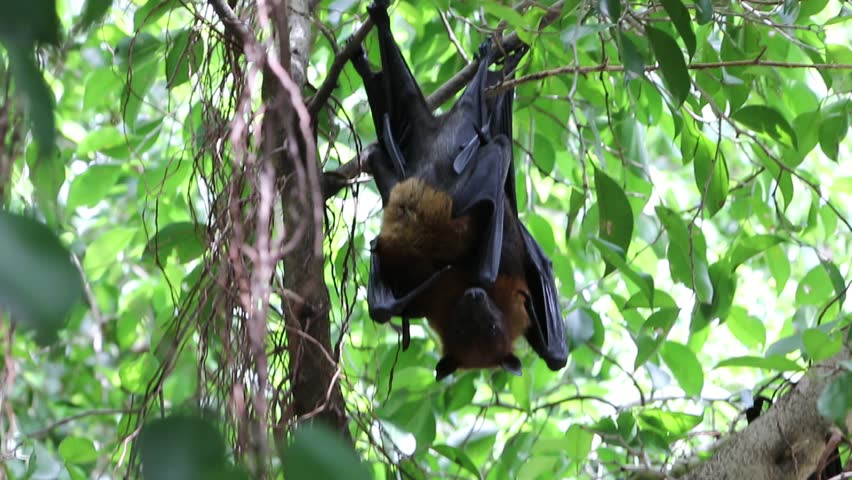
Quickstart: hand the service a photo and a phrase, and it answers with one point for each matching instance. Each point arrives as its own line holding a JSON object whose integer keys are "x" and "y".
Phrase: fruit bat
{"x": 451, "y": 246}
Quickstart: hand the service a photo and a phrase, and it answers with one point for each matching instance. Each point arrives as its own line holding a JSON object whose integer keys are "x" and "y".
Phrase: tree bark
{"x": 290, "y": 144}
{"x": 786, "y": 442}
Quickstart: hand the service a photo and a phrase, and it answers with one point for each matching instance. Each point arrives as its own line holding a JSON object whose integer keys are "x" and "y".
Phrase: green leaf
{"x": 835, "y": 402}
{"x": 521, "y": 386}
{"x": 39, "y": 97}
{"x": 710, "y": 168}
{"x": 47, "y": 175}
{"x": 770, "y": 362}
{"x": 692, "y": 273}
{"x": 837, "y": 280}
{"x": 815, "y": 288}
{"x": 578, "y": 442}
{"x": 613, "y": 255}
{"x": 661, "y": 321}
{"x": 703, "y": 11}
{"x": 768, "y": 121}
{"x": 32, "y": 262}
{"x": 91, "y": 186}
{"x": 811, "y": 7}
{"x": 415, "y": 417}
{"x": 724, "y": 287}
{"x": 100, "y": 140}
{"x": 317, "y": 452}
{"x": 26, "y": 24}
{"x": 456, "y": 455}
{"x": 779, "y": 266}
{"x": 152, "y": 11}
{"x": 77, "y": 450}
{"x": 820, "y": 345}
{"x": 613, "y": 9}
{"x": 646, "y": 348}
{"x": 634, "y": 64}
{"x": 671, "y": 425}
{"x": 575, "y": 202}
{"x": 542, "y": 230}
{"x": 672, "y": 65}
{"x": 502, "y": 12}
{"x": 93, "y": 11}
{"x": 747, "y": 247}
{"x": 136, "y": 372}
{"x": 102, "y": 88}
{"x": 749, "y": 330}
{"x": 184, "y": 238}
{"x": 615, "y": 220}
{"x": 184, "y": 57}
{"x": 190, "y": 447}
{"x": 685, "y": 366}
{"x": 102, "y": 253}
{"x": 460, "y": 393}
{"x": 680, "y": 17}
{"x": 832, "y": 129}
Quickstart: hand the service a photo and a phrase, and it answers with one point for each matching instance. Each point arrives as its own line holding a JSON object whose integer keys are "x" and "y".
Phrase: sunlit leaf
{"x": 91, "y": 186}
{"x": 749, "y": 330}
{"x": 685, "y": 366}
{"x": 78, "y": 450}
{"x": 671, "y": 424}
{"x": 815, "y": 288}
{"x": 820, "y": 345}
{"x": 578, "y": 442}
{"x": 747, "y": 247}
{"x": 771, "y": 362}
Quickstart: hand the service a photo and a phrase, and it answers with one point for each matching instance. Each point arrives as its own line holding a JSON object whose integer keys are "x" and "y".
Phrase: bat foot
{"x": 360, "y": 61}
{"x": 484, "y": 48}
{"x": 378, "y": 5}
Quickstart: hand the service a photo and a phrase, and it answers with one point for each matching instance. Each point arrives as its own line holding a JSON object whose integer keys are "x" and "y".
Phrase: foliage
{"x": 686, "y": 167}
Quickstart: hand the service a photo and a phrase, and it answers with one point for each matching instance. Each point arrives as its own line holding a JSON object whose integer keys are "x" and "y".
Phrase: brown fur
{"x": 419, "y": 236}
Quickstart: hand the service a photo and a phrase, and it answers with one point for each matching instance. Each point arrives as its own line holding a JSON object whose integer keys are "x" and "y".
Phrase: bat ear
{"x": 511, "y": 364}
{"x": 445, "y": 366}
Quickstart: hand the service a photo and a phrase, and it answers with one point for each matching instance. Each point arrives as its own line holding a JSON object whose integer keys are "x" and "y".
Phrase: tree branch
{"x": 757, "y": 62}
{"x": 786, "y": 442}
{"x": 316, "y": 102}
{"x": 336, "y": 179}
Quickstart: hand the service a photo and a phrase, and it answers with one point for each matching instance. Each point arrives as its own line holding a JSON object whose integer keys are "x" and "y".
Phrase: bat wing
{"x": 480, "y": 189}
{"x": 384, "y": 301}
{"x": 546, "y": 333}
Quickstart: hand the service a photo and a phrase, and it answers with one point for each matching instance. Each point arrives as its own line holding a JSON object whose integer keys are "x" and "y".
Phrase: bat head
{"x": 478, "y": 337}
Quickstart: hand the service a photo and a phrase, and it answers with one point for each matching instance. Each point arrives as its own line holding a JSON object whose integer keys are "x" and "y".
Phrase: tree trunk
{"x": 786, "y": 442}
{"x": 291, "y": 145}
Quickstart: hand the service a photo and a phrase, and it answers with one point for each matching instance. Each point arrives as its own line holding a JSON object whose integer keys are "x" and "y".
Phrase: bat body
{"x": 451, "y": 247}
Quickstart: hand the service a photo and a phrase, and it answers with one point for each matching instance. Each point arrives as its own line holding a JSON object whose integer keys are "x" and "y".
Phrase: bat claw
{"x": 484, "y": 48}
{"x": 379, "y": 5}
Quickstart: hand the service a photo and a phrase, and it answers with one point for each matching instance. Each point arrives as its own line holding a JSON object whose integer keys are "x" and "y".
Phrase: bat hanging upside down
{"x": 451, "y": 247}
